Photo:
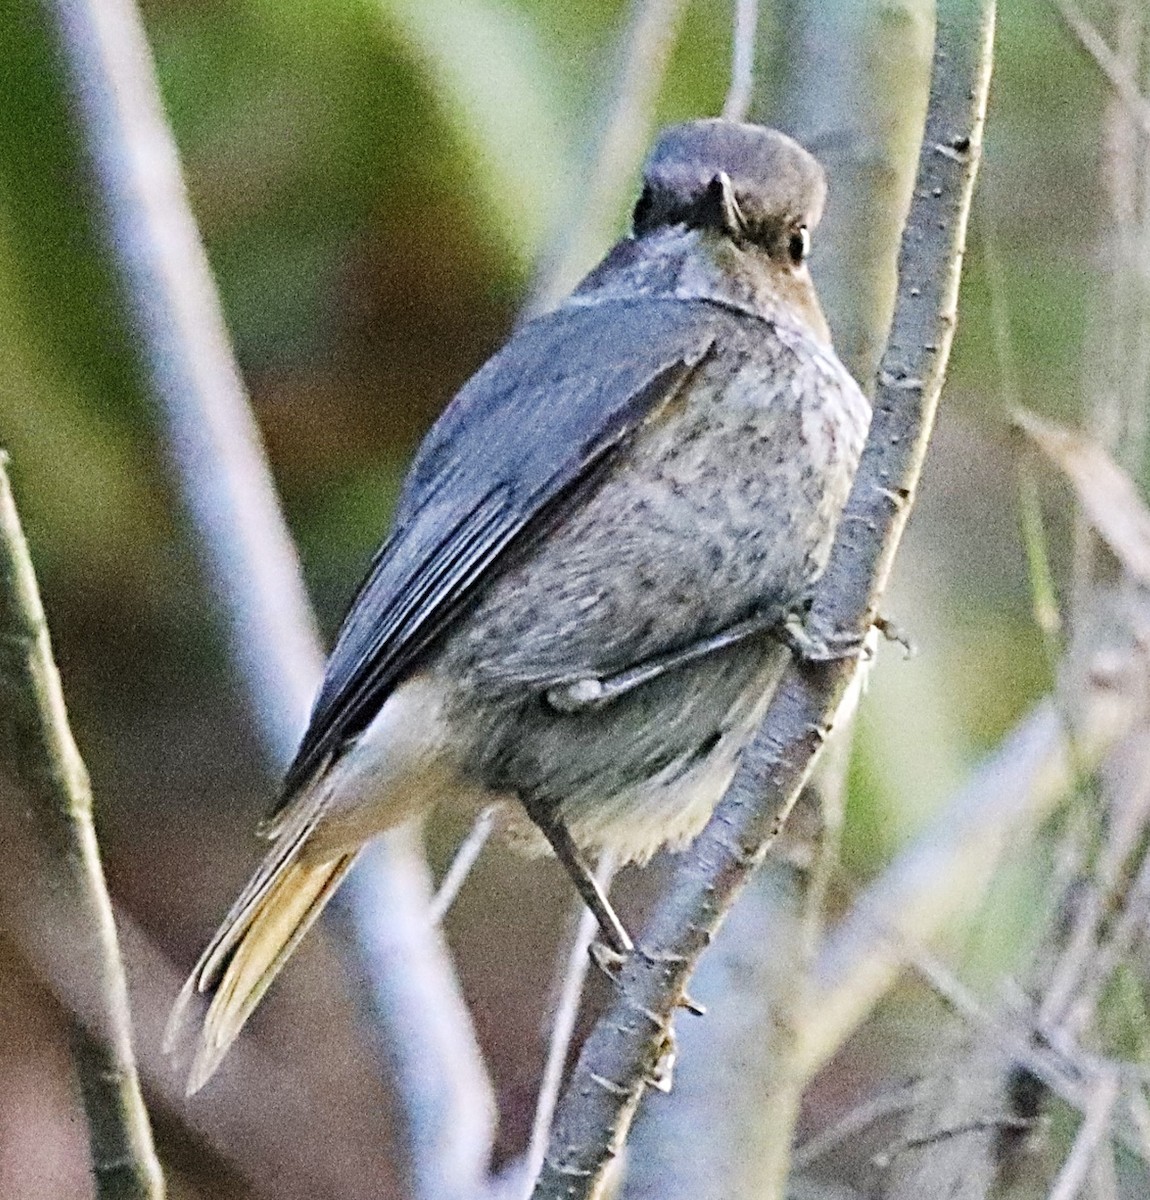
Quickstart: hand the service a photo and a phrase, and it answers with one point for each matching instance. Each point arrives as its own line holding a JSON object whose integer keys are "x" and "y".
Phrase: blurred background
{"x": 375, "y": 181}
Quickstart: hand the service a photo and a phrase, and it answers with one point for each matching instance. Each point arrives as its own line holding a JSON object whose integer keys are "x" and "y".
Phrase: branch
{"x": 248, "y": 555}
{"x": 629, "y": 1045}
{"x": 49, "y": 766}
{"x": 949, "y": 1144}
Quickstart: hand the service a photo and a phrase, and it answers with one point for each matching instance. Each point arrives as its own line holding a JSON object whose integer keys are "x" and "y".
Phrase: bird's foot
{"x": 609, "y": 960}
{"x": 812, "y": 645}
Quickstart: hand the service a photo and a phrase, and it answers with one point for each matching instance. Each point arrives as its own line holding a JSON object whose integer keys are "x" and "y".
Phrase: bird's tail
{"x": 258, "y": 936}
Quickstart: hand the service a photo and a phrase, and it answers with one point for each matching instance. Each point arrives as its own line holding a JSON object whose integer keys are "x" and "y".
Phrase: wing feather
{"x": 539, "y": 420}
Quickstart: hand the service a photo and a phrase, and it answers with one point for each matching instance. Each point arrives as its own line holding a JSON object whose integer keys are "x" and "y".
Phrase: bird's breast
{"x": 723, "y": 502}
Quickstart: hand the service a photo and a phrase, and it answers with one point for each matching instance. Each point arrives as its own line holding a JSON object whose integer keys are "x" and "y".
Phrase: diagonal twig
{"x": 569, "y": 993}
{"x": 627, "y": 1046}
{"x": 49, "y": 766}
{"x": 945, "y": 871}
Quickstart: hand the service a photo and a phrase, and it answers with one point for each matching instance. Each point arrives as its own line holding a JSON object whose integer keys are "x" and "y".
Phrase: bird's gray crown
{"x": 739, "y": 178}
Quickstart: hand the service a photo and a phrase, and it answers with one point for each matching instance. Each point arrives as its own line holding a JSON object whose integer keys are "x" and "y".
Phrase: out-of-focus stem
{"x": 944, "y": 872}
{"x": 248, "y": 555}
{"x": 852, "y": 79}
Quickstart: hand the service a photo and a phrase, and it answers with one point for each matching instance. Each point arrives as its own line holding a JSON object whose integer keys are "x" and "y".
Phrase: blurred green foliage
{"x": 374, "y": 180}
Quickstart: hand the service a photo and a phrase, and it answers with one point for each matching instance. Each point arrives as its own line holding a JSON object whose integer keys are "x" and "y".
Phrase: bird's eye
{"x": 799, "y": 245}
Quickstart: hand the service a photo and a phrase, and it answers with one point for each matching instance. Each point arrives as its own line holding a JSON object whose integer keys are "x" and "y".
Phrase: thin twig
{"x": 742, "y": 87}
{"x": 249, "y": 557}
{"x": 1018, "y": 1037}
{"x": 584, "y": 230}
{"x": 947, "y": 868}
{"x": 628, "y": 1045}
{"x": 569, "y": 994}
{"x": 855, "y": 1121}
{"x": 49, "y": 766}
{"x": 465, "y": 857}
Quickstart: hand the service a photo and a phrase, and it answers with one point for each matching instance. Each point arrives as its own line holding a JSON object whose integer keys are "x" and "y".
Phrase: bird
{"x": 581, "y": 607}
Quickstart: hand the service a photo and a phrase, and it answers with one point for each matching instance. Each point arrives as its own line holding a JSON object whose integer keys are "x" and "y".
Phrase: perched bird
{"x": 580, "y": 605}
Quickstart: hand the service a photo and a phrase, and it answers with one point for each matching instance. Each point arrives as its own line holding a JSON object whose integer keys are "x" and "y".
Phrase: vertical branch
{"x": 51, "y": 770}
{"x": 629, "y": 1047}
{"x": 249, "y": 557}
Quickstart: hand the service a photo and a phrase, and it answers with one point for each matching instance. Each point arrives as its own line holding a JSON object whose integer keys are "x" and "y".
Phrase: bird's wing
{"x": 541, "y": 418}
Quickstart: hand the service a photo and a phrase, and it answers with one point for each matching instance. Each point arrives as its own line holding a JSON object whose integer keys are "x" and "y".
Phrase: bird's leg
{"x": 614, "y": 933}
{"x": 590, "y": 693}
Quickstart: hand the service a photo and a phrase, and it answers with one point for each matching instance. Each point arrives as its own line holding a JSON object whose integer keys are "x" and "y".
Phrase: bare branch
{"x": 630, "y": 1045}
{"x": 1092, "y": 1135}
{"x": 856, "y": 1121}
{"x": 248, "y": 554}
{"x": 948, "y": 1147}
{"x": 945, "y": 871}
{"x": 49, "y": 766}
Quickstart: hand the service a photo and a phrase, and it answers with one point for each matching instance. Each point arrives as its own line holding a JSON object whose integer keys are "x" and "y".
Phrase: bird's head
{"x": 751, "y": 188}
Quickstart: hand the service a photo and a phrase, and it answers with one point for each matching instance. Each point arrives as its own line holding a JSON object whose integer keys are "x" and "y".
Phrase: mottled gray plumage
{"x": 662, "y": 457}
